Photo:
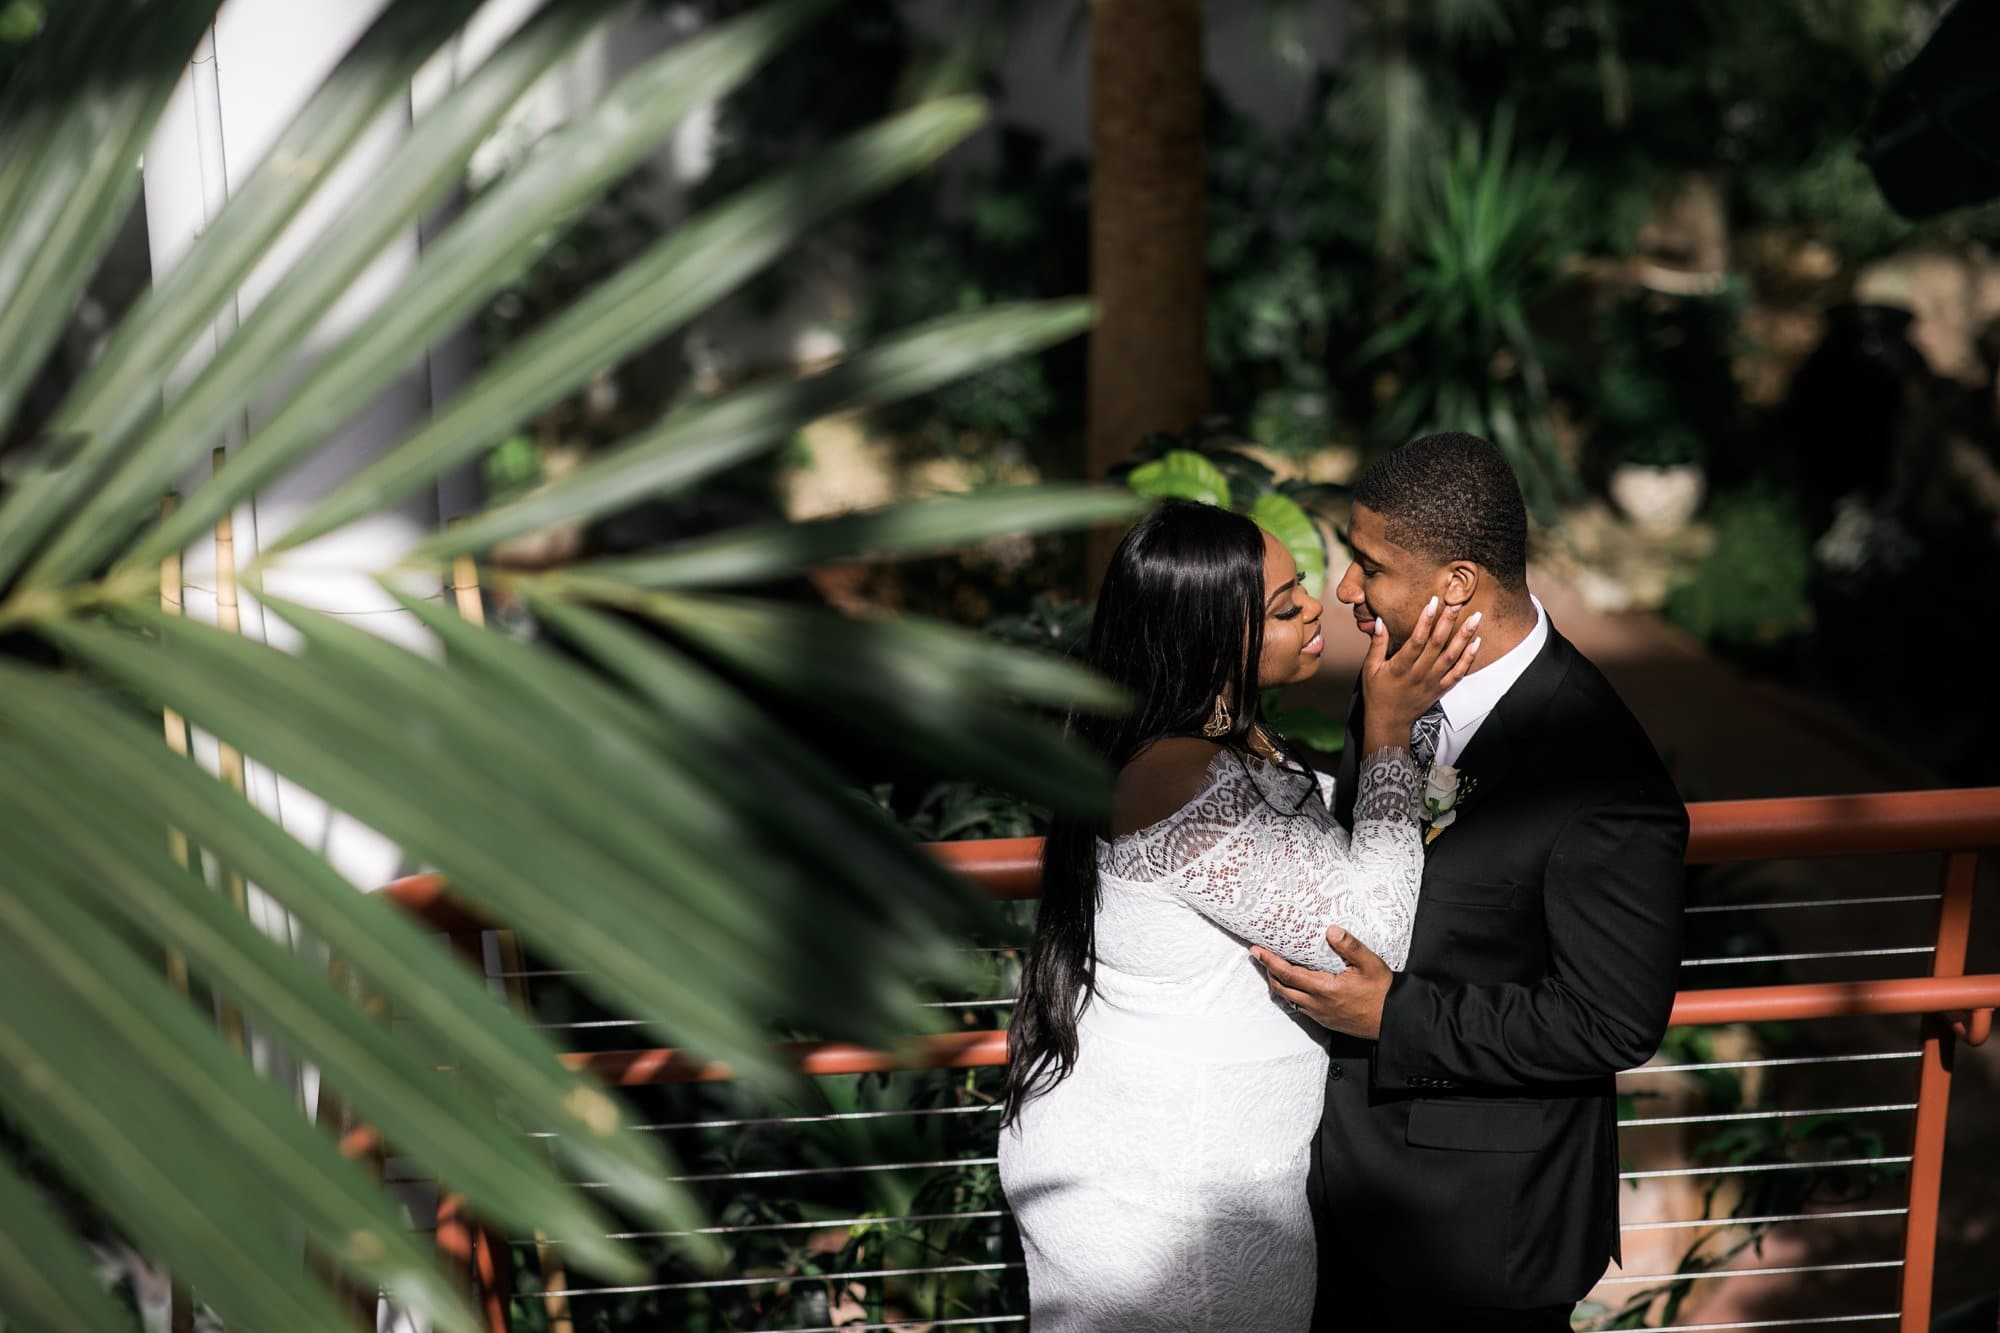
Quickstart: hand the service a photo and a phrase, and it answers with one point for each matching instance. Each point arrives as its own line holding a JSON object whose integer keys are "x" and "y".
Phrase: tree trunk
{"x": 1148, "y": 354}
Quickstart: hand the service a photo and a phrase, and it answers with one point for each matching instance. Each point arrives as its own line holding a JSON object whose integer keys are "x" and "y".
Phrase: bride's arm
{"x": 1280, "y": 879}
{"x": 1375, "y": 898}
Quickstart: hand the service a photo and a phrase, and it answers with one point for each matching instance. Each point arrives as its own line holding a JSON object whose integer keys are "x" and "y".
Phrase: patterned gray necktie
{"x": 1424, "y": 737}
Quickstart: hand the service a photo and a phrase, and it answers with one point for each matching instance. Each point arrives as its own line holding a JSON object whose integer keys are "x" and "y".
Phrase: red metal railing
{"x": 1956, "y": 1007}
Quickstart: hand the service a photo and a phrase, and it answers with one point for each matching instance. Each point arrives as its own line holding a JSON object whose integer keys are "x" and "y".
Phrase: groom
{"x": 1466, "y": 1172}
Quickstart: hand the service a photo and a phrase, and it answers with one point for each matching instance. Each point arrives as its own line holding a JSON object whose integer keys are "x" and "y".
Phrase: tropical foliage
{"x": 1488, "y": 242}
{"x": 615, "y": 790}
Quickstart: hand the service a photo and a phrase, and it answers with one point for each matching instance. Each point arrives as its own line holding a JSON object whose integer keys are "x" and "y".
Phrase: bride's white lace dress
{"x": 1162, "y": 1185}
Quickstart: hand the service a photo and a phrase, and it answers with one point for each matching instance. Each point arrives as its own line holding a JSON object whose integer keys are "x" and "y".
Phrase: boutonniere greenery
{"x": 1444, "y": 791}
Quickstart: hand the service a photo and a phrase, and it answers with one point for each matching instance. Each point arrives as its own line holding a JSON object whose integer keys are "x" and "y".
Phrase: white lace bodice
{"x": 1259, "y": 853}
{"x": 1160, "y": 1188}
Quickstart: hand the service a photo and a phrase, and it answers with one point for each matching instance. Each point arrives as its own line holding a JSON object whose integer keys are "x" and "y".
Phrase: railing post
{"x": 1961, "y": 870}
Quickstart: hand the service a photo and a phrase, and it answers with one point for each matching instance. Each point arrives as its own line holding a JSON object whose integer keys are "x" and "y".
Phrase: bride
{"x": 1160, "y": 1104}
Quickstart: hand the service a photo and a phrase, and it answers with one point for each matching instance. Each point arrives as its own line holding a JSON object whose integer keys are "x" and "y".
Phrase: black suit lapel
{"x": 1496, "y": 746}
{"x": 1490, "y": 751}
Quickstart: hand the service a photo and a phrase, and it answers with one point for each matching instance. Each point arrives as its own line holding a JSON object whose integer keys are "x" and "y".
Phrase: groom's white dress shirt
{"x": 1467, "y": 703}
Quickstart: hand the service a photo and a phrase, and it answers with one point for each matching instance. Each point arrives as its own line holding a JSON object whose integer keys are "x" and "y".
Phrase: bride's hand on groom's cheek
{"x": 1349, "y": 1002}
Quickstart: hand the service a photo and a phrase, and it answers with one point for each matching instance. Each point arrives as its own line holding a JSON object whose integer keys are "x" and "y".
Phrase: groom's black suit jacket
{"x": 1469, "y": 1158}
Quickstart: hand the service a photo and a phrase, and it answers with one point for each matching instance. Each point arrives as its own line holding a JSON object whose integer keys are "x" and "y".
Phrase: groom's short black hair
{"x": 1452, "y": 497}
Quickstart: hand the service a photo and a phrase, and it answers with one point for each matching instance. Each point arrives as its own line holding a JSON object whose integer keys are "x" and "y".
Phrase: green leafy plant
{"x": 1397, "y": 104}
{"x": 1291, "y": 262}
{"x": 1753, "y": 592}
{"x": 1487, "y": 243}
{"x": 1637, "y": 412}
{"x": 628, "y": 806}
{"x": 1220, "y": 475}
{"x": 1181, "y": 474}
{"x": 1188, "y": 474}
{"x": 20, "y": 21}
{"x": 1665, "y": 390}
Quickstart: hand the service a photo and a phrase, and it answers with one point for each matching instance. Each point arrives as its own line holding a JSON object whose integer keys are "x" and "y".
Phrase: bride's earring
{"x": 1218, "y": 721}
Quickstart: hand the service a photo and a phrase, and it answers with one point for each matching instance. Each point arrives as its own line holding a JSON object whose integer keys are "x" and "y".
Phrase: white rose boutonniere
{"x": 1444, "y": 789}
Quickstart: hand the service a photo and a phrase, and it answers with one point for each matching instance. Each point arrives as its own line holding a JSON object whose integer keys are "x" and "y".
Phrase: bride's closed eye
{"x": 1292, "y": 614}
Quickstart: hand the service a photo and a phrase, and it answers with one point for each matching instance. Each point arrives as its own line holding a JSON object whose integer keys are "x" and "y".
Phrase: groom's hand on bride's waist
{"x": 1349, "y": 1002}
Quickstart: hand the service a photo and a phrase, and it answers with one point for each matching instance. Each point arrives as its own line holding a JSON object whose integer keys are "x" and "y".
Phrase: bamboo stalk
{"x": 176, "y": 728}
{"x": 229, "y": 759}
{"x": 180, "y": 1308}
{"x": 465, "y": 588}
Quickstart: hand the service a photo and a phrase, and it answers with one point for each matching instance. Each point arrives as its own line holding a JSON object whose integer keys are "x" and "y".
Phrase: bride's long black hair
{"x": 1179, "y": 621}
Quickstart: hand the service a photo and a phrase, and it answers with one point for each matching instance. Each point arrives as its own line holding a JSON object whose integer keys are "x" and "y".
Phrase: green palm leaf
{"x": 117, "y": 859}
{"x": 600, "y": 727}
{"x": 47, "y": 1276}
{"x": 751, "y": 555}
{"x": 935, "y": 695}
{"x": 697, "y": 441}
{"x": 70, "y": 198}
{"x": 120, "y": 389}
{"x": 755, "y": 759}
{"x": 343, "y": 734}
{"x": 497, "y": 240}
{"x": 601, "y": 803}
{"x": 674, "y": 281}
{"x": 418, "y": 174}
{"x": 69, "y": 727}
{"x": 89, "y": 1033}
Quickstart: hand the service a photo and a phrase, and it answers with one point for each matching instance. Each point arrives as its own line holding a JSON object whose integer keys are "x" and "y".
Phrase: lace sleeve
{"x": 1255, "y": 859}
{"x": 1386, "y": 855}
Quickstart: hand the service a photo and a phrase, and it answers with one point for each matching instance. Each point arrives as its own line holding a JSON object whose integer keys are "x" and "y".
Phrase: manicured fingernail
{"x": 1433, "y": 606}
{"x": 1475, "y": 645}
{"x": 1477, "y": 616}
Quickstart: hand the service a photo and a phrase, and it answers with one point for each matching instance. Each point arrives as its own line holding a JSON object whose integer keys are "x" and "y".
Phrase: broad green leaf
{"x": 121, "y": 388}
{"x": 118, "y": 858}
{"x": 1281, "y": 516}
{"x": 931, "y": 693}
{"x": 89, "y": 1031}
{"x": 47, "y": 1283}
{"x": 773, "y": 550}
{"x": 681, "y": 276}
{"x": 394, "y": 959}
{"x": 72, "y": 199}
{"x": 421, "y": 171}
{"x": 693, "y": 442}
{"x": 506, "y": 230}
{"x": 1181, "y": 474}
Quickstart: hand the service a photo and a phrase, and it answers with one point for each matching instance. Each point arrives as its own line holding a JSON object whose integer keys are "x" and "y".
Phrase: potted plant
{"x": 1657, "y": 480}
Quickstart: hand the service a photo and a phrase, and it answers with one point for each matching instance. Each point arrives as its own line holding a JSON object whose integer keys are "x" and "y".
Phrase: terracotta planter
{"x": 1659, "y": 501}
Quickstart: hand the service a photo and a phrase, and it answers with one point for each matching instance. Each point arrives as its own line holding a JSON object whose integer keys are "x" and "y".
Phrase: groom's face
{"x": 1385, "y": 581}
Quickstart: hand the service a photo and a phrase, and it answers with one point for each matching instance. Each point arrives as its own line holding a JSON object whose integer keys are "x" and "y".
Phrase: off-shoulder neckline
{"x": 1214, "y": 773}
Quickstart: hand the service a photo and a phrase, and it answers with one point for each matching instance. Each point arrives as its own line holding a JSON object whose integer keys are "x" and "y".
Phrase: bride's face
{"x": 1292, "y": 642}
